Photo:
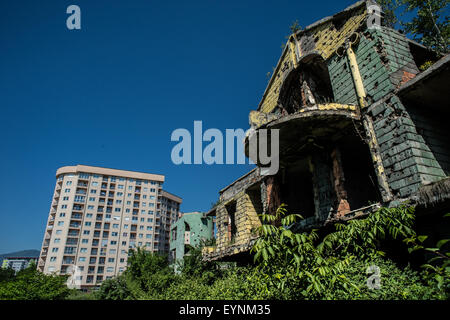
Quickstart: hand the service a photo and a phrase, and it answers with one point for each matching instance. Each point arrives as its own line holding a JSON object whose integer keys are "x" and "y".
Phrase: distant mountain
{"x": 23, "y": 253}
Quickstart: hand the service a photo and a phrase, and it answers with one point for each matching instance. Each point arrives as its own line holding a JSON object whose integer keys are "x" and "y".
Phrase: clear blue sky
{"x": 111, "y": 93}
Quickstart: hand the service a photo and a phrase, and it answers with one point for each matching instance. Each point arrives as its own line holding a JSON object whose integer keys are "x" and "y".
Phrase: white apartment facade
{"x": 98, "y": 214}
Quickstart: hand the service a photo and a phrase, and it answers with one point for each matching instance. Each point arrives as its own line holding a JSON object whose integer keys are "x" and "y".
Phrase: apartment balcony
{"x": 68, "y": 261}
{"x": 75, "y": 224}
{"x": 76, "y": 216}
{"x": 73, "y": 234}
{"x": 83, "y": 179}
{"x": 72, "y": 241}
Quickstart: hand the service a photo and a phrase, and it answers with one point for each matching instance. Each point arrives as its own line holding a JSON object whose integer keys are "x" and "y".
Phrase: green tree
{"x": 389, "y": 7}
{"x": 31, "y": 284}
{"x": 6, "y": 274}
{"x": 114, "y": 289}
{"x": 429, "y": 26}
{"x": 147, "y": 276}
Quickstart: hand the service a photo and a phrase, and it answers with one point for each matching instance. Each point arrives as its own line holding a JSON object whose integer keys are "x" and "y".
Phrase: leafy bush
{"x": 290, "y": 265}
{"x": 31, "y": 284}
{"x": 306, "y": 266}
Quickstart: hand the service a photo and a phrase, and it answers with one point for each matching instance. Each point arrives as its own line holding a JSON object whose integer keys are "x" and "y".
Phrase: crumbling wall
{"x": 323, "y": 38}
{"x": 384, "y": 61}
{"x": 246, "y": 221}
{"x": 341, "y": 80}
{"x": 407, "y": 158}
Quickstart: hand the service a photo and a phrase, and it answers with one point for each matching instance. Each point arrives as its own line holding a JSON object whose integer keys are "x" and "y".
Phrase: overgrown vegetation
{"x": 31, "y": 284}
{"x": 308, "y": 265}
{"x": 291, "y": 265}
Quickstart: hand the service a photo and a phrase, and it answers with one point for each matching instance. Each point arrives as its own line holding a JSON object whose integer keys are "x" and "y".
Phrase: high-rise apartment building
{"x": 98, "y": 214}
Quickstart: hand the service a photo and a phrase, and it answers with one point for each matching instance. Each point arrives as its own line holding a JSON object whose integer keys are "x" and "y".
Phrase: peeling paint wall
{"x": 324, "y": 39}
{"x": 407, "y": 158}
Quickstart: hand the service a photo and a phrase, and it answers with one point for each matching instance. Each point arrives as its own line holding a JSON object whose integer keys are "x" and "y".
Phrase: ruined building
{"x": 360, "y": 126}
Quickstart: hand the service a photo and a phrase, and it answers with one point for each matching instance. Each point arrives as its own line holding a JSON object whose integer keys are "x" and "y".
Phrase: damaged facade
{"x": 360, "y": 126}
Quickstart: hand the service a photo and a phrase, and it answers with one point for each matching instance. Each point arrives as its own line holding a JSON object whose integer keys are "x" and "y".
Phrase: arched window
{"x": 307, "y": 85}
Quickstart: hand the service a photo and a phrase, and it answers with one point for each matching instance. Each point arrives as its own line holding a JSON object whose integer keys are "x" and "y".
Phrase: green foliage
{"x": 295, "y": 27}
{"x": 306, "y": 266}
{"x": 31, "y": 284}
{"x": 437, "y": 268}
{"x": 429, "y": 26}
{"x": 79, "y": 295}
{"x": 114, "y": 289}
{"x": 193, "y": 266}
{"x": 6, "y": 274}
{"x": 397, "y": 283}
{"x": 289, "y": 265}
{"x": 389, "y": 7}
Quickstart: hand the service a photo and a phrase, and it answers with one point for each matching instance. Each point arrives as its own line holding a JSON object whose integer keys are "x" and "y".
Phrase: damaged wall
{"x": 407, "y": 159}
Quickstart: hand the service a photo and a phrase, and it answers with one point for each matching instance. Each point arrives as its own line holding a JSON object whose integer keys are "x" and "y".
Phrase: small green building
{"x": 188, "y": 232}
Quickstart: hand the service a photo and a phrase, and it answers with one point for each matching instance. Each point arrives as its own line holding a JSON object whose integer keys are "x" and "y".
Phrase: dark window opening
{"x": 254, "y": 194}
{"x": 359, "y": 174}
{"x": 421, "y": 54}
{"x": 297, "y": 189}
{"x": 231, "y": 225}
